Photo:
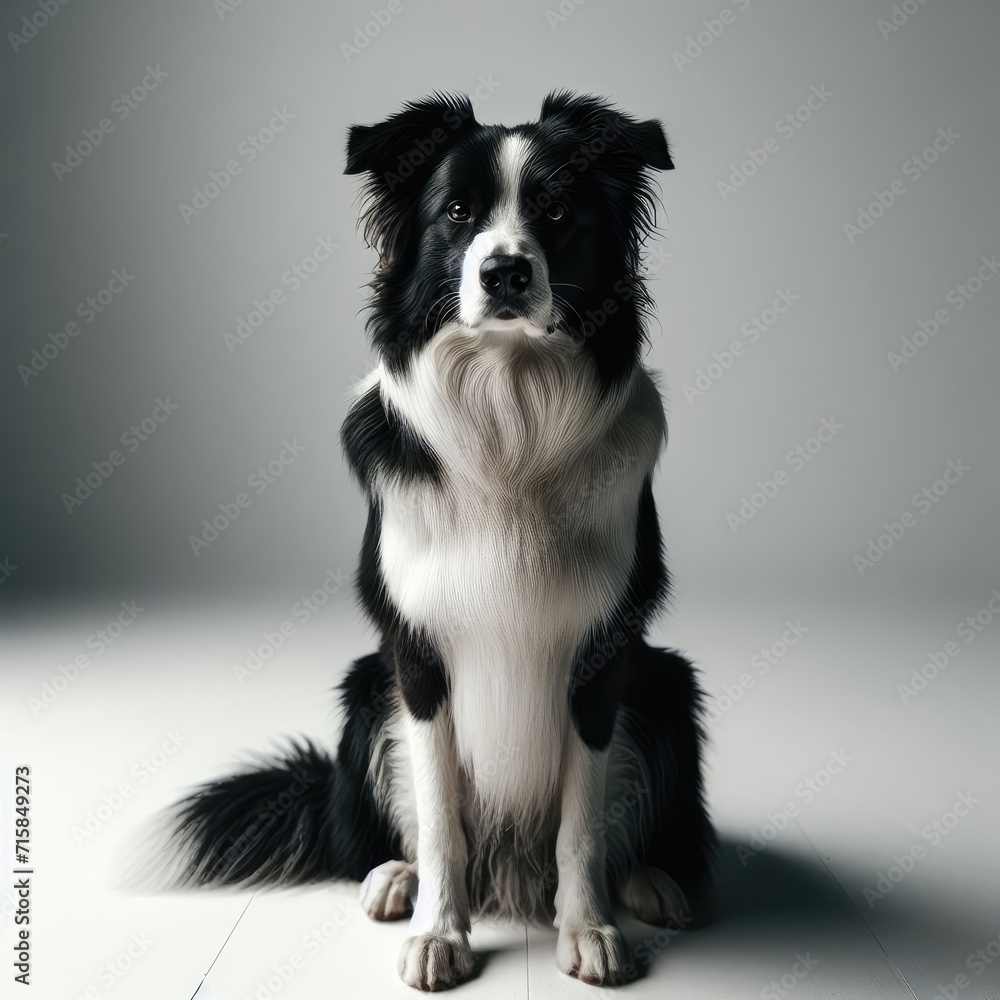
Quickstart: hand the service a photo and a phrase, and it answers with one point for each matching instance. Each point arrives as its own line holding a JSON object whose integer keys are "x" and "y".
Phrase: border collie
{"x": 514, "y": 749}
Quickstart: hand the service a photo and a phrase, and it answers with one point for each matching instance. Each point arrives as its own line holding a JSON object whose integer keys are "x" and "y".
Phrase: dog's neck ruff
{"x": 517, "y": 406}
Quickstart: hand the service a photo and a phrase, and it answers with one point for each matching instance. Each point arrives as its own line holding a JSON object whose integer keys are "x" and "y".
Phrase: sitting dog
{"x": 514, "y": 749}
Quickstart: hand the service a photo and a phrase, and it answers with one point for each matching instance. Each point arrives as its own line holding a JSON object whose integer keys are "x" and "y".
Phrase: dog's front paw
{"x": 435, "y": 962}
{"x": 596, "y": 955}
{"x": 385, "y": 892}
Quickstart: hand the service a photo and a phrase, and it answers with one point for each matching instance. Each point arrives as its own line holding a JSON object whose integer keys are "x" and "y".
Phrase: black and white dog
{"x": 515, "y": 747}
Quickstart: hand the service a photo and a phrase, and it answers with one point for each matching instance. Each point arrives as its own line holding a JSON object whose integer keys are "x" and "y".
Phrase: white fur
{"x": 442, "y": 902}
{"x": 590, "y": 944}
{"x": 438, "y": 953}
{"x": 385, "y": 892}
{"x": 508, "y": 562}
{"x": 507, "y": 234}
{"x": 505, "y": 564}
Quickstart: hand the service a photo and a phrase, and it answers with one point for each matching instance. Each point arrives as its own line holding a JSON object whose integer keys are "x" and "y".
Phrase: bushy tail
{"x": 276, "y": 821}
{"x": 297, "y": 817}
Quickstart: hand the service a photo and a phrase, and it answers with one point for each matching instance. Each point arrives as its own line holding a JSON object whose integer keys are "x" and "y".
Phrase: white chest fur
{"x": 527, "y": 541}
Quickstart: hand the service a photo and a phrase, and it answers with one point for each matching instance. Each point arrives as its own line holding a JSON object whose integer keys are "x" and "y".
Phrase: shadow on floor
{"x": 785, "y": 902}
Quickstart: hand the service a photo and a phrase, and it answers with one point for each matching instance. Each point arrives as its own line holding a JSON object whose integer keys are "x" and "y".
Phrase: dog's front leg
{"x": 590, "y": 945}
{"x": 437, "y": 956}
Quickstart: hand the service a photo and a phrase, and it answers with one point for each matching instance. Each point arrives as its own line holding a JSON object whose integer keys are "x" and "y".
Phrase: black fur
{"x": 603, "y": 661}
{"x": 596, "y": 683}
{"x": 374, "y": 438}
{"x": 372, "y": 594}
{"x": 420, "y": 673}
{"x": 663, "y": 701}
{"x": 276, "y": 821}
{"x": 594, "y": 155}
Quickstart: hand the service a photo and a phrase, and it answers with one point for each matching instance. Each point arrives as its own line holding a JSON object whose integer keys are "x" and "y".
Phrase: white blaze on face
{"x": 506, "y": 233}
{"x": 470, "y": 292}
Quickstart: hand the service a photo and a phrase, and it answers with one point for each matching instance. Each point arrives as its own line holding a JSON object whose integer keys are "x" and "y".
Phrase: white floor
{"x": 822, "y": 737}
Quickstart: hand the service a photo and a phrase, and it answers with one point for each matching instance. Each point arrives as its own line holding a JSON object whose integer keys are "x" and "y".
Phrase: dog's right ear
{"x": 399, "y": 155}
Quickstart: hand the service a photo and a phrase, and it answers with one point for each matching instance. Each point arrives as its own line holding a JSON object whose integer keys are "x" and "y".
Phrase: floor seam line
{"x": 861, "y": 916}
{"x": 527, "y": 970}
{"x": 224, "y": 943}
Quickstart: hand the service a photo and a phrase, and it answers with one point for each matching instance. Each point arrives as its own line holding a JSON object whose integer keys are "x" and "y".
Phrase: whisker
{"x": 433, "y": 306}
{"x": 557, "y": 169}
{"x": 565, "y": 305}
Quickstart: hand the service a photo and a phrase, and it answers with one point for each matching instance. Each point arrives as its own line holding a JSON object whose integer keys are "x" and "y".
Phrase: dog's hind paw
{"x": 432, "y": 962}
{"x": 655, "y": 898}
{"x": 594, "y": 955}
{"x": 386, "y": 890}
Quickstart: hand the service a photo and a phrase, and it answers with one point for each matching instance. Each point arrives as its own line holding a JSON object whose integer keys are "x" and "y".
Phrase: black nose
{"x": 505, "y": 277}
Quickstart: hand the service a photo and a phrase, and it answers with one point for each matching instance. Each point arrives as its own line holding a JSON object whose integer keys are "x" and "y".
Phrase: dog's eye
{"x": 459, "y": 211}
{"x": 556, "y": 211}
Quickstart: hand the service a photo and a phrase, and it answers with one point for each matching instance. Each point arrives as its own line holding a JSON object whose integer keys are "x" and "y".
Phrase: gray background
{"x": 714, "y": 265}
{"x": 782, "y": 229}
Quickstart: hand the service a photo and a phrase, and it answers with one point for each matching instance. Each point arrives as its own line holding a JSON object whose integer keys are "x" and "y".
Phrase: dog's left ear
{"x": 642, "y": 142}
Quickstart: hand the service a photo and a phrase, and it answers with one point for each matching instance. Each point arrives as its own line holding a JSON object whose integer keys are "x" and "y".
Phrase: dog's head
{"x": 535, "y": 230}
